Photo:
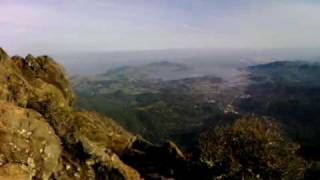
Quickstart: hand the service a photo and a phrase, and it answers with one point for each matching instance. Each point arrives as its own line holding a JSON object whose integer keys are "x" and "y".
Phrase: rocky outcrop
{"x": 43, "y": 137}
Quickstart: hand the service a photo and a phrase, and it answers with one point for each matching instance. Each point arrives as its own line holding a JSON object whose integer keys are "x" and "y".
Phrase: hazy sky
{"x": 47, "y": 26}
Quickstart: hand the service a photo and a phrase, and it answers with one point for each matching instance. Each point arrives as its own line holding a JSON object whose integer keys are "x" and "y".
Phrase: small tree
{"x": 251, "y": 148}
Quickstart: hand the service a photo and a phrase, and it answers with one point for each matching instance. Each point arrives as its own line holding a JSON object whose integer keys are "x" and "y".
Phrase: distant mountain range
{"x": 131, "y": 79}
{"x": 162, "y": 96}
{"x": 288, "y": 72}
{"x": 163, "y": 70}
{"x": 220, "y": 60}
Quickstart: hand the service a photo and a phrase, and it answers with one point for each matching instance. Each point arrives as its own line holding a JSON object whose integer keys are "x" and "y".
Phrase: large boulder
{"x": 103, "y": 141}
{"x": 27, "y": 141}
{"x": 95, "y": 130}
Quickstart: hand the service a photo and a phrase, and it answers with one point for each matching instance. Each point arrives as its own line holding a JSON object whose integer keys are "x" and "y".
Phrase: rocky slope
{"x": 43, "y": 137}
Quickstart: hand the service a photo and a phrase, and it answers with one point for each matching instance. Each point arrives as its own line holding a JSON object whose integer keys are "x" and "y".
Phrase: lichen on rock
{"x": 27, "y": 139}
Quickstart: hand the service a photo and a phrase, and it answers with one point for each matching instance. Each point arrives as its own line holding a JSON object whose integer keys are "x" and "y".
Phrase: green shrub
{"x": 251, "y": 148}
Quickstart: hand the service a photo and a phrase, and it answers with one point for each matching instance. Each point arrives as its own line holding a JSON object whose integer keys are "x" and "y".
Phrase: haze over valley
{"x": 222, "y": 62}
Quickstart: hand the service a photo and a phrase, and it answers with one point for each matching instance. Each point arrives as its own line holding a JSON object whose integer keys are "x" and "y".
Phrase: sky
{"x": 53, "y": 26}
